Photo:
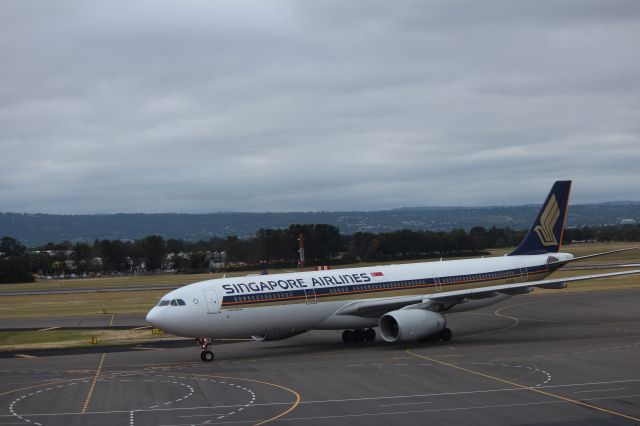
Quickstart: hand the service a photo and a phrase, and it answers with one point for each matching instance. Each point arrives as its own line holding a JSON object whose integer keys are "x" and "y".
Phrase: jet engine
{"x": 410, "y": 324}
{"x": 277, "y": 334}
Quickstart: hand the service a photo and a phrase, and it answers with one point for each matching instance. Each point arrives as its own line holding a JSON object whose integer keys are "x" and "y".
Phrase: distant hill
{"x": 37, "y": 229}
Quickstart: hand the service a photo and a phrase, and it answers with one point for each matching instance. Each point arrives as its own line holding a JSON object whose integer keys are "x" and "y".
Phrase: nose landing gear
{"x": 204, "y": 342}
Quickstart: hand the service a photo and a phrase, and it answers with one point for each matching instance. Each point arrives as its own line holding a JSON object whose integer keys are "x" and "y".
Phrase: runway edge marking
{"x": 93, "y": 385}
{"x": 553, "y": 395}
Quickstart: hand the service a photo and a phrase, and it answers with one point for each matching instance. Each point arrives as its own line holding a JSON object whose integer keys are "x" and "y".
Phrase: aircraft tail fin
{"x": 545, "y": 234}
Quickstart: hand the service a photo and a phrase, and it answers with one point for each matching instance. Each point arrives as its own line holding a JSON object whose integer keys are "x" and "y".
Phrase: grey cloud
{"x": 207, "y": 106}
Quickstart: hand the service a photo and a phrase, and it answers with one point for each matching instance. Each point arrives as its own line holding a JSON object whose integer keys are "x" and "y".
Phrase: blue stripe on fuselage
{"x": 376, "y": 287}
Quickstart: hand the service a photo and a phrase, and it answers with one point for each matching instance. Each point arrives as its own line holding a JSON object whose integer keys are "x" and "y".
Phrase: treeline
{"x": 13, "y": 268}
{"x": 269, "y": 248}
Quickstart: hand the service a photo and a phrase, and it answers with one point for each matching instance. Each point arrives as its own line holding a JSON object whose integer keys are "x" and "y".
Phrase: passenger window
{"x": 181, "y": 302}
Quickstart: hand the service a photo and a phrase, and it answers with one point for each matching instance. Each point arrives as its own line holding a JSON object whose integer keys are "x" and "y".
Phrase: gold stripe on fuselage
{"x": 425, "y": 289}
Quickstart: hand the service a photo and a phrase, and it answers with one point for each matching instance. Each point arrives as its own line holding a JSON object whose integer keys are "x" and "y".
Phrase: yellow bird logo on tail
{"x": 548, "y": 221}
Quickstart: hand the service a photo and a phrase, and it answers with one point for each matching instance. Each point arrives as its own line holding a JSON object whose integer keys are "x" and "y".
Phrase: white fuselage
{"x": 283, "y": 304}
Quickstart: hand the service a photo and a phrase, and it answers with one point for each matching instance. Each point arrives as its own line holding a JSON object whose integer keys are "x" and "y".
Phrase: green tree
{"x": 81, "y": 256}
{"x": 114, "y": 254}
{"x": 14, "y": 270}
{"x": 178, "y": 246}
{"x": 478, "y": 238}
{"x": 154, "y": 251}
{"x": 14, "y": 264}
{"x": 11, "y": 247}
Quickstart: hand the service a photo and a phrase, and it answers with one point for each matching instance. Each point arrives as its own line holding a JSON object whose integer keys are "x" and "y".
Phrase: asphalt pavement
{"x": 564, "y": 358}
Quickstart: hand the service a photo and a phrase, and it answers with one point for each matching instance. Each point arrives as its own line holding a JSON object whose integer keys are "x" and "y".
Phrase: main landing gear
{"x": 204, "y": 342}
{"x": 444, "y": 335}
{"x": 358, "y": 335}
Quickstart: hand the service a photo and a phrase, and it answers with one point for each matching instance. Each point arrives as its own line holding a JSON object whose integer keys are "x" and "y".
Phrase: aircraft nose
{"x": 152, "y": 316}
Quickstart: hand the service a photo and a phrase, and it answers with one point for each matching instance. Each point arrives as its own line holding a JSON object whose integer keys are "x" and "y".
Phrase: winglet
{"x": 545, "y": 234}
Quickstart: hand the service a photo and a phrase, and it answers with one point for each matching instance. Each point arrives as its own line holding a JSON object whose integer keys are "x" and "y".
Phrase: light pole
{"x": 301, "y": 252}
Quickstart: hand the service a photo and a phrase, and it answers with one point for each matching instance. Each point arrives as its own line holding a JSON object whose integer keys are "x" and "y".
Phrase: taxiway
{"x": 571, "y": 358}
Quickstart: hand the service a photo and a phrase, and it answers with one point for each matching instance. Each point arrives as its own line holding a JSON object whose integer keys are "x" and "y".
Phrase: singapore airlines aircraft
{"x": 406, "y": 302}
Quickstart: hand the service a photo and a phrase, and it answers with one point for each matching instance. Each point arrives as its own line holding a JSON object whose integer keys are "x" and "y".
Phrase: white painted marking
{"x": 199, "y": 415}
{"x": 48, "y": 329}
{"x": 407, "y": 403}
{"x": 600, "y": 390}
{"x": 184, "y": 409}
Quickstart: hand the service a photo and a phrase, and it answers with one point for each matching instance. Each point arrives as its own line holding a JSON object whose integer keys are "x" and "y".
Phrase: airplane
{"x": 405, "y": 302}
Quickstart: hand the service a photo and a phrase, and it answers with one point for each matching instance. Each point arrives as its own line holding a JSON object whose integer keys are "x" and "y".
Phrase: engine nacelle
{"x": 277, "y": 334}
{"x": 410, "y": 324}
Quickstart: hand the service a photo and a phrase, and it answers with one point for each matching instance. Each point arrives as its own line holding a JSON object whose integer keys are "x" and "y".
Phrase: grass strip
{"x": 55, "y": 339}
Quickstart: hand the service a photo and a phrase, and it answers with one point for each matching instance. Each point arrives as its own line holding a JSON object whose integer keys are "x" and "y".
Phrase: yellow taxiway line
{"x": 93, "y": 385}
{"x": 532, "y": 389}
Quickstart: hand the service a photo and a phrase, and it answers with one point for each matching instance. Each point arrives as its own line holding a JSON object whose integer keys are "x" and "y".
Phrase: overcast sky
{"x": 206, "y": 106}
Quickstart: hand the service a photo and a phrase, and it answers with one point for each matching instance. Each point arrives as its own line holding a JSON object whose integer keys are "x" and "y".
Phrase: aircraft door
{"x": 213, "y": 302}
{"x": 310, "y": 294}
{"x": 437, "y": 284}
{"x": 524, "y": 272}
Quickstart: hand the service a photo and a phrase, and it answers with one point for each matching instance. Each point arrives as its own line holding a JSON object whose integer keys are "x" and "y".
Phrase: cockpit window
{"x": 172, "y": 302}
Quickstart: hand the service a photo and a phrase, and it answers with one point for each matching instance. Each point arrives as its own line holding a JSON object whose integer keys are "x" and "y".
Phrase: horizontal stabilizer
{"x": 589, "y": 256}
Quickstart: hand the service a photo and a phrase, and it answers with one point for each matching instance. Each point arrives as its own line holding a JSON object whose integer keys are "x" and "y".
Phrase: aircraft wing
{"x": 444, "y": 300}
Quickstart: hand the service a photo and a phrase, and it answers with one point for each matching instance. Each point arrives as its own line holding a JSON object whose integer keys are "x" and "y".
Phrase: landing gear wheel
{"x": 204, "y": 342}
{"x": 358, "y": 336}
{"x": 347, "y": 336}
{"x": 370, "y": 335}
{"x": 206, "y": 356}
{"x": 445, "y": 335}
